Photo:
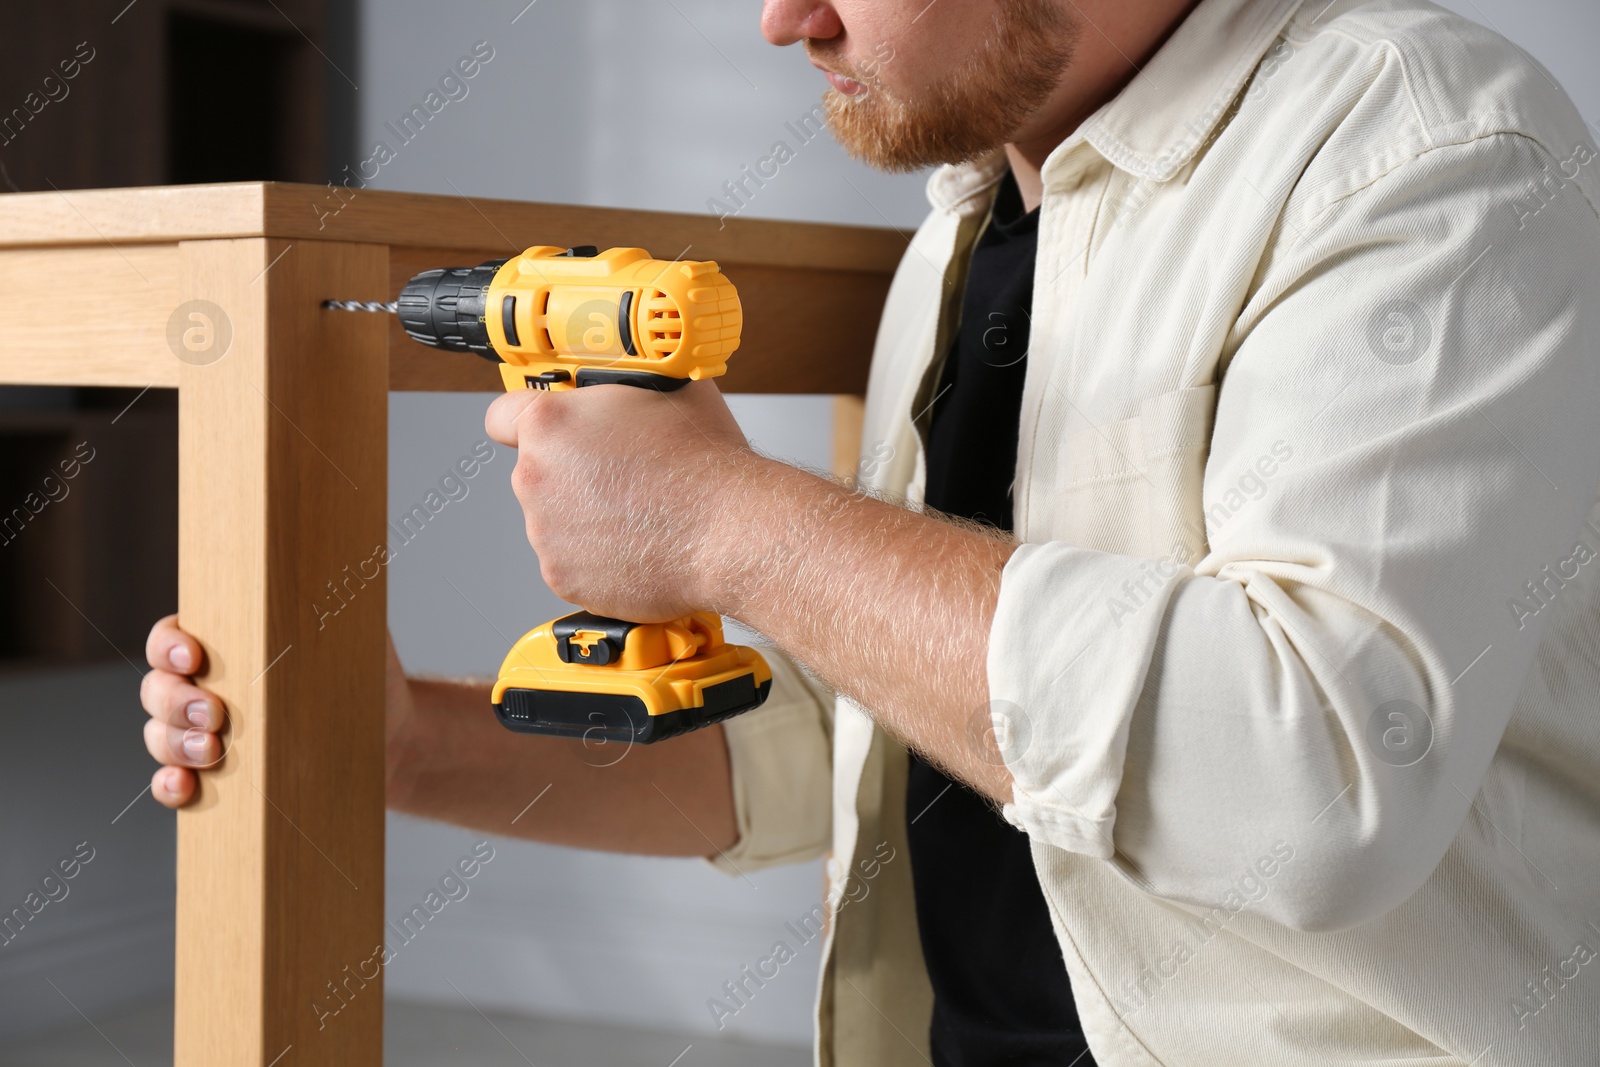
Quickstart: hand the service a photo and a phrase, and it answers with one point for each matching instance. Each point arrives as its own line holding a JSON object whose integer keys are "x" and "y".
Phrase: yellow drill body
{"x": 562, "y": 319}
{"x": 619, "y": 312}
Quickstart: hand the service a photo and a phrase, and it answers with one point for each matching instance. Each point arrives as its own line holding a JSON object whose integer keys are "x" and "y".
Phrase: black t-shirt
{"x": 1001, "y": 993}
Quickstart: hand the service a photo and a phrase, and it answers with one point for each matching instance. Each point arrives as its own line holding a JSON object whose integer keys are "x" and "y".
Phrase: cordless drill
{"x": 558, "y": 319}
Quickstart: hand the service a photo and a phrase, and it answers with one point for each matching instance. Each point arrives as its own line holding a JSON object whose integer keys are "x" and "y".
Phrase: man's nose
{"x": 783, "y": 22}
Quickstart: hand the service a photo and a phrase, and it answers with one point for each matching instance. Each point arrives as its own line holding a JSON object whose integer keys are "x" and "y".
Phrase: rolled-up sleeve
{"x": 1404, "y": 448}
{"x": 781, "y": 757}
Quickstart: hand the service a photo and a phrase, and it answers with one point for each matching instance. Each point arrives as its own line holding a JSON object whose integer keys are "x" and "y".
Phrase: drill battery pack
{"x": 586, "y": 676}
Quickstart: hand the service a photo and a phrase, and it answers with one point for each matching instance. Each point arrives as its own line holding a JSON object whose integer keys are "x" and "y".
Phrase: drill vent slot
{"x": 663, "y": 324}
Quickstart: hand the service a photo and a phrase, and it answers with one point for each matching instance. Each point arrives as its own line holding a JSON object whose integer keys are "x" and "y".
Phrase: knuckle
{"x": 556, "y": 578}
{"x": 153, "y": 643}
{"x": 541, "y": 415}
{"x": 167, "y": 786}
{"x": 533, "y": 525}
{"x": 155, "y": 741}
{"x": 526, "y": 477}
{"x": 161, "y": 693}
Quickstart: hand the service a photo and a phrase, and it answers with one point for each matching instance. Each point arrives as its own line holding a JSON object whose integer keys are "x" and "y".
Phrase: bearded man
{"x": 1210, "y": 650}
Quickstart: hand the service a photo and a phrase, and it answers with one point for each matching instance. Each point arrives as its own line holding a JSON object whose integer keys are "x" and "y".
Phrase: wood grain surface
{"x": 89, "y": 315}
{"x": 282, "y": 483}
{"x": 812, "y": 293}
{"x": 372, "y": 216}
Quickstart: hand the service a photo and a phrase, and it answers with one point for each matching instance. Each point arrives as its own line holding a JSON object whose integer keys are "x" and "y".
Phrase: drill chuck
{"x": 444, "y": 308}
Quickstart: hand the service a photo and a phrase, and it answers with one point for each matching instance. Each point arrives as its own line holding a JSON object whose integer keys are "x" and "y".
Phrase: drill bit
{"x": 392, "y": 307}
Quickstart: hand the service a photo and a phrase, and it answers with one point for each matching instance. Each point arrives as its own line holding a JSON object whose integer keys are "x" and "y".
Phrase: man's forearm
{"x": 457, "y": 764}
{"x": 889, "y": 606}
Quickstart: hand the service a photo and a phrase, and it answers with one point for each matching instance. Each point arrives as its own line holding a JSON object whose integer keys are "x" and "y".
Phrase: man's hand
{"x": 645, "y": 505}
{"x": 449, "y": 759}
{"x": 182, "y": 732}
{"x": 620, "y": 488}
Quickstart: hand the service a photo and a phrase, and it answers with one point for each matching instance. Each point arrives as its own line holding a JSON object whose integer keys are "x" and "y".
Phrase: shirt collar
{"x": 1156, "y": 124}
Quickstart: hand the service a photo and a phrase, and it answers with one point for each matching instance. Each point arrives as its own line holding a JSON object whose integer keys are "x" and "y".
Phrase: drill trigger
{"x": 546, "y": 379}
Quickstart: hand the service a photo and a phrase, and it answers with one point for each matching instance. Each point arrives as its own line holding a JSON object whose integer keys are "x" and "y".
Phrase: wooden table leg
{"x": 283, "y": 472}
{"x": 848, "y": 412}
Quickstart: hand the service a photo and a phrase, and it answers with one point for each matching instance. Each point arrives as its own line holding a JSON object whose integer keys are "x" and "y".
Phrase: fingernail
{"x": 194, "y": 743}
{"x": 169, "y": 781}
{"x": 199, "y": 713}
{"x": 180, "y": 659}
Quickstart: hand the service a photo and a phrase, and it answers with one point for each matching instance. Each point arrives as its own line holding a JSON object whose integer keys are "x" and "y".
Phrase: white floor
{"x": 419, "y": 1035}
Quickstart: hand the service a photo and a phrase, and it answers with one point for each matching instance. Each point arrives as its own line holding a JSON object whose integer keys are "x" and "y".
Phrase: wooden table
{"x": 216, "y": 291}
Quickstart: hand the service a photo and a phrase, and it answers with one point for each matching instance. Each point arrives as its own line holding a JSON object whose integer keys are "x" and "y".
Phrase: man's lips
{"x": 847, "y": 86}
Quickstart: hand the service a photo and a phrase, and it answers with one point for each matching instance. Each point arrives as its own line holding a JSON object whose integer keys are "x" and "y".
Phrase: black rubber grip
{"x": 508, "y": 319}
{"x": 445, "y": 308}
{"x": 625, "y": 321}
{"x": 600, "y": 717}
{"x": 643, "y": 379}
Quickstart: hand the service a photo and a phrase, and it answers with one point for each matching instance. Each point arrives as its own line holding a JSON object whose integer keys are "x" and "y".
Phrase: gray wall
{"x": 574, "y": 106}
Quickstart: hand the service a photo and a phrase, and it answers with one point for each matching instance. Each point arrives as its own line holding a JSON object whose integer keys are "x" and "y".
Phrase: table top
{"x": 164, "y": 214}
{"x": 812, "y": 292}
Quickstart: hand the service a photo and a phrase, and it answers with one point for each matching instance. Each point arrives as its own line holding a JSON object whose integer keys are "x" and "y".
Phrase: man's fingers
{"x": 184, "y": 719}
{"x": 170, "y": 649}
{"x": 182, "y": 748}
{"x": 175, "y": 701}
{"x": 173, "y": 786}
{"x": 500, "y": 423}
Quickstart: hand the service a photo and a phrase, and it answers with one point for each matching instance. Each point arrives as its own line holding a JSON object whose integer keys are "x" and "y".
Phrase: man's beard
{"x": 971, "y": 113}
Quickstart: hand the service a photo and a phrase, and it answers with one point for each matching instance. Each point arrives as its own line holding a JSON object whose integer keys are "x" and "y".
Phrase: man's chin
{"x": 886, "y": 135}
{"x": 971, "y": 111}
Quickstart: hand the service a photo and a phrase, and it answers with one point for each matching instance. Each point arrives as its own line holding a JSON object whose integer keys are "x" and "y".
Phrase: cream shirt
{"x": 1297, "y": 668}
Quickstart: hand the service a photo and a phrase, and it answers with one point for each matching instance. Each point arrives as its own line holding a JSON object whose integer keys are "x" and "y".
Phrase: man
{"x": 1269, "y": 331}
